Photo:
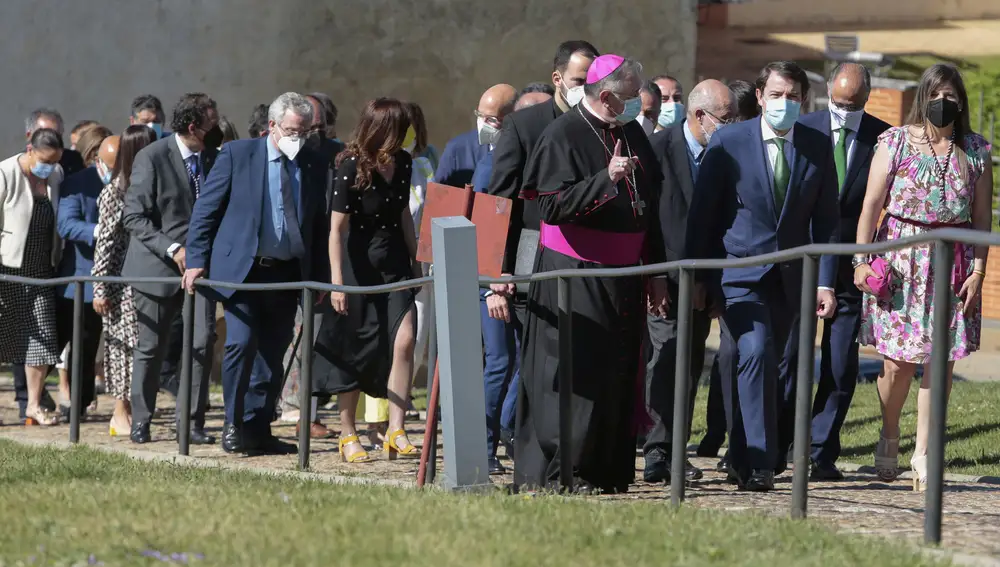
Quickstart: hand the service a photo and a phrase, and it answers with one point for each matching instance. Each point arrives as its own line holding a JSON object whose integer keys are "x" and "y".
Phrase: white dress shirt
{"x": 771, "y": 146}
{"x": 185, "y": 153}
{"x": 853, "y": 124}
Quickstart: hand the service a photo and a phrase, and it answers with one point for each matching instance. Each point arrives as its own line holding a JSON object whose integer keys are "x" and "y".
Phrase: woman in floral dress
{"x": 932, "y": 173}
{"x": 111, "y": 300}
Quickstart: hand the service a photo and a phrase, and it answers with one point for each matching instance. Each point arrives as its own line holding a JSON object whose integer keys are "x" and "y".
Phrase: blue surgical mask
{"x": 104, "y": 171}
{"x": 158, "y": 128}
{"x": 633, "y": 107}
{"x": 42, "y": 170}
{"x": 781, "y": 113}
{"x": 671, "y": 113}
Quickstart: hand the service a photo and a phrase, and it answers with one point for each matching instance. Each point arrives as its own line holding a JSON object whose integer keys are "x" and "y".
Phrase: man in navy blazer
{"x": 261, "y": 218}
{"x": 77, "y": 226}
{"x": 853, "y": 134}
{"x": 764, "y": 185}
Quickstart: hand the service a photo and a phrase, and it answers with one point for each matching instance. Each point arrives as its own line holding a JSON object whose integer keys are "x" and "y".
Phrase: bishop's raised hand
{"x": 620, "y": 166}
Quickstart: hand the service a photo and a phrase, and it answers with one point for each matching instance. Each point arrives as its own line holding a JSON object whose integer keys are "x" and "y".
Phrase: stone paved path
{"x": 859, "y": 505}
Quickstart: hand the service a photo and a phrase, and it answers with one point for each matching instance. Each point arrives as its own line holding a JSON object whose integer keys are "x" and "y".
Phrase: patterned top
{"x": 917, "y": 193}
{"x": 109, "y": 256}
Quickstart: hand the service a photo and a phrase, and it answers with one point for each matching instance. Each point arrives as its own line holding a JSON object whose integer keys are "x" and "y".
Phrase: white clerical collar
{"x": 586, "y": 105}
{"x": 769, "y": 134}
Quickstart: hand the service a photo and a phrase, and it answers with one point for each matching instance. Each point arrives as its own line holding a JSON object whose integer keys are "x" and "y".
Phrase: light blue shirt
{"x": 273, "y": 238}
{"x": 695, "y": 150}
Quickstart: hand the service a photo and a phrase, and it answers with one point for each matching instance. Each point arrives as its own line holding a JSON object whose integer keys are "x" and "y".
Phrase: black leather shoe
{"x": 140, "y": 432}
{"x": 47, "y": 402}
{"x": 199, "y": 437}
{"x": 496, "y": 468}
{"x": 824, "y": 471}
{"x": 658, "y": 470}
{"x": 723, "y": 464}
{"x": 759, "y": 481}
{"x": 268, "y": 445}
{"x": 232, "y": 441}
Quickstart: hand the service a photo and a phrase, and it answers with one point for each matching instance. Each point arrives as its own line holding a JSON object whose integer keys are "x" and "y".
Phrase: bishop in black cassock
{"x": 596, "y": 182}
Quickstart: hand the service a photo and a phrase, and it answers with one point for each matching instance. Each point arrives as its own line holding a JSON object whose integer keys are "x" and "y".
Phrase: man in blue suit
{"x": 854, "y": 135}
{"x": 77, "y": 226}
{"x": 764, "y": 186}
{"x": 261, "y": 218}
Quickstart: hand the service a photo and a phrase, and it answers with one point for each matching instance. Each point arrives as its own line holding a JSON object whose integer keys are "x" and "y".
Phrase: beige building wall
{"x": 781, "y": 13}
{"x": 90, "y": 58}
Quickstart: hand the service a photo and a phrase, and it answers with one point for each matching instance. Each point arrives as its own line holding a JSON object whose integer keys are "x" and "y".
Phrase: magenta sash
{"x": 590, "y": 245}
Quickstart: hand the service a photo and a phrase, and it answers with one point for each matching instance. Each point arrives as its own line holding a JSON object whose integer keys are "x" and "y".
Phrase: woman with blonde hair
{"x": 933, "y": 172}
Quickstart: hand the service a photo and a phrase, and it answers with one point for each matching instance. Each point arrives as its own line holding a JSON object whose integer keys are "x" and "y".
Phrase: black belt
{"x": 265, "y": 262}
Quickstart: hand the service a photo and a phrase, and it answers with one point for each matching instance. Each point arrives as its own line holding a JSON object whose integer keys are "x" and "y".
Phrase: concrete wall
{"x": 89, "y": 59}
{"x": 780, "y": 13}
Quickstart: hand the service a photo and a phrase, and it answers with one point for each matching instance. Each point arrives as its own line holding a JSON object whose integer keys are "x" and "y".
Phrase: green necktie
{"x": 781, "y": 175}
{"x": 840, "y": 157}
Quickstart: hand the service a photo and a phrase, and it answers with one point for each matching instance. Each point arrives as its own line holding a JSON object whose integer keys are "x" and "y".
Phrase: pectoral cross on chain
{"x": 638, "y": 204}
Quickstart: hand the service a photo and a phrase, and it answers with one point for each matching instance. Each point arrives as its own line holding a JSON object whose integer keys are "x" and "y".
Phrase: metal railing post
{"x": 944, "y": 253}
{"x": 565, "y": 381}
{"x": 184, "y": 388}
{"x": 305, "y": 378}
{"x": 433, "y": 403}
{"x": 76, "y": 373}
{"x": 804, "y": 386}
{"x": 682, "y": 371}
{"x": 460, "y": 344}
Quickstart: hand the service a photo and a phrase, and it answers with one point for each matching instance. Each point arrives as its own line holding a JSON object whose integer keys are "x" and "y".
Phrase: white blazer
{"x": 16, "y": 207}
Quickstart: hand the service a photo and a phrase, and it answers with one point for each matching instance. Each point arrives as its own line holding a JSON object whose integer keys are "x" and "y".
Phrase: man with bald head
{"x": 462, "y": 153}
{"x": 531, "y": 98}
{"x": 679, "y": 150}
{"x": 854, "y": 135}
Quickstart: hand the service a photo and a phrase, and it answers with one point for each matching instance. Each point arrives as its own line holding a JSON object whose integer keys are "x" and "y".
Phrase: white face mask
{"x": 290, "y": 146}
{"x": 574, "y": 95}
{"x": 647, "y": 124}
{"x": 842, "y": 117}
{"x": 488, "y": 134}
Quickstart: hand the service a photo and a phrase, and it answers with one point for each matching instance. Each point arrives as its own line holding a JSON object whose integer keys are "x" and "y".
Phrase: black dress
{"x": 354, "y": 351}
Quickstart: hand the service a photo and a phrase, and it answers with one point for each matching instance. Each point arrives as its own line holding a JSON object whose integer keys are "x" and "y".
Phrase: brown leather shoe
{"x": 317, "y": 431}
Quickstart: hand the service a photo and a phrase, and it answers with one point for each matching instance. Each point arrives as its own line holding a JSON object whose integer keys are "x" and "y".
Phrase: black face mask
{"x": 942, "y": 112}
{"x": 314, "y": 140}
{"x": 213, "y": 138}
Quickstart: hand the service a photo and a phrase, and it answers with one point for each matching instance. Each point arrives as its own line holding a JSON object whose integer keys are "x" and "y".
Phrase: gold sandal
{"x": 410, "y": 451}
{"x": 919, "y": 466}
{"x": 355, "y": 457}
{"x": 40, "y": 416}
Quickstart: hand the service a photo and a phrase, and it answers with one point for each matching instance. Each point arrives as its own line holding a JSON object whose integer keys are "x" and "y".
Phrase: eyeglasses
{"x": 292, "y": 134}
{"x": 491, "y": 120}
{"x": 726, "y": 121}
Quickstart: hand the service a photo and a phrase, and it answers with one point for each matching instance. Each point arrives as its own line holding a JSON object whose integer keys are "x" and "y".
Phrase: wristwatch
{"x": 489, "y": 293}
{"x": 858, "y": 260}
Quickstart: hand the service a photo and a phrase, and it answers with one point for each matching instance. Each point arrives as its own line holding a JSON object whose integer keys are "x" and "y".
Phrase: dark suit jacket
{"x": 225, "y": 224}
{"x": 733, "y": 212}
{"x": 158, "y": 207}
{"x": 458, "y": 162}
{"x": 852, "y": 194}
{"x": 510, "y": 155}
{"x": 76, "y": 223}
{"x": 671, "y": 150}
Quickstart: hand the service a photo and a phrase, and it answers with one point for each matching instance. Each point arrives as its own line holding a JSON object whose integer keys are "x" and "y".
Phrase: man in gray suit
{"x": 166, "y": 180}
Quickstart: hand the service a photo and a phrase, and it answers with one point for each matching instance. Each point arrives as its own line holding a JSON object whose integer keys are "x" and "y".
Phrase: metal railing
{"x": 942, "y": 239}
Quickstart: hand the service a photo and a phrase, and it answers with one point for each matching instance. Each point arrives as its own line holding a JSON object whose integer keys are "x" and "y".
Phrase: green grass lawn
{"x": 71, "y": 507}
{"x": 973, "y": 427}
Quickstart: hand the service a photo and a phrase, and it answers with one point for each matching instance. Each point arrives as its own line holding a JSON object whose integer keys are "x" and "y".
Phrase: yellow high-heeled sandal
{"x": 394, "y": 450}
{"x": 355, "y": 457}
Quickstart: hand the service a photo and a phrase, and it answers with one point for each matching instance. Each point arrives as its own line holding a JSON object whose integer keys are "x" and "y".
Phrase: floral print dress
{"x": 900, "y": 327}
